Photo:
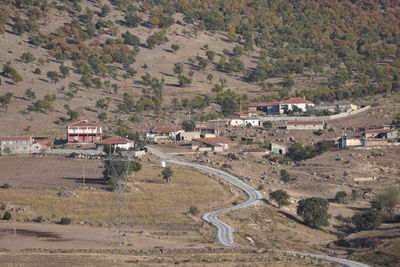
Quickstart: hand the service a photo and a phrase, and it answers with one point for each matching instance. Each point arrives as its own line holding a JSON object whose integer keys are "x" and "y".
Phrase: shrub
{"x": 340, "y": 196}
{"x": 194, "y": 210}
{"x": 6, "y": 186}
{"x": 7, "y": 216}
{"x": 285, "y": 176}
{"x": 367, "y": 220}
{"x": 281, "y": 197}
{"x": 232, "y": 156}
{"x": 37, "y": 71}
{"x": 65, "y": 220}
{"x": 314, "y": 211}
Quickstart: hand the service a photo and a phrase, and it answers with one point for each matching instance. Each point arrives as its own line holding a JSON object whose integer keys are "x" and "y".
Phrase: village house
{"x": 271, "y": 108}
{"x": 295, "y": 103}
{"x": 346, "y": 105}
{"x": 208, "y": 132}
{"x": 239, "y": 122}
{"x": 278, "y": 148}
{"x": 346, "y": 142}
{"x": 164, "y": 133}
{"x": 305, "y": 125}
{"x": 84, "y": 132}
{"x": 217, "y": 144}
{"x": 187, "y": 136}
{"x": 389, "y": 134}
{"x": 116, "y": 142}
{"x": 22, "y": 144}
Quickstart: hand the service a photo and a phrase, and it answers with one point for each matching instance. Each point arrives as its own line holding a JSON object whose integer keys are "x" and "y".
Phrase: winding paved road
{"x": 225, "y": 231}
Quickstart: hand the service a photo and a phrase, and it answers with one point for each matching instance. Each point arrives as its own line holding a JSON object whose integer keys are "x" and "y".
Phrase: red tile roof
{"x": 83, "y": 123}
{"x": 216, "y": 141}
{"x": 114, "y": 141}
{"x": 378, "y": 131}
{"x": 304, "y": 122}
{"x": 15, "y": 138}
{"x": 263, "y": 104}
{"x": 164, "y": 129}
{"x": 297, "y": 100}
{"x": 46, "y": 143}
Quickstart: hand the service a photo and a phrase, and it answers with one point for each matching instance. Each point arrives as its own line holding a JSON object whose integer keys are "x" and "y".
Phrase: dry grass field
{"x": 151, "y": 199}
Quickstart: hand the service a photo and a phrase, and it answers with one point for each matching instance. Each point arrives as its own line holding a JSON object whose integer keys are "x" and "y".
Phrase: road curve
{"x": 224, "y": 231}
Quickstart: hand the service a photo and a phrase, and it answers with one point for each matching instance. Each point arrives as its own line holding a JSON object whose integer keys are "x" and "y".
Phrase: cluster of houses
{"x": 206, "y": 137}
{"x": 383, "y": 137}
{"x": 297, "y": 105}
{"x": 81, "y": 132}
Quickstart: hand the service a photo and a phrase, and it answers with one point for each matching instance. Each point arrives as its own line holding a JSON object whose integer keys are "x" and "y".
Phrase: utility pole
{"x": 84, "y": 173}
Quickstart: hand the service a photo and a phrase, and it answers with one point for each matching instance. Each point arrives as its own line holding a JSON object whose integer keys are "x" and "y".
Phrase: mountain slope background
{"x": 134, "y": 64}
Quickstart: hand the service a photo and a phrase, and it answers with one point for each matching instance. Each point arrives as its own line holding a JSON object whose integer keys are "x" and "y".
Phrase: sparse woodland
{"x": 345, "y": 49}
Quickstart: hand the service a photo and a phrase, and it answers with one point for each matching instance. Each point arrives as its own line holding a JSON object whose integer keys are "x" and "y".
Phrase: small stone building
{"x": 217, "y": 144}
{"x": 278, "y": 148}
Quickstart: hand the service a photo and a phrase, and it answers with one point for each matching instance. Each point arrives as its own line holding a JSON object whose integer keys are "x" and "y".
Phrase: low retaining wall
{"x": 90, "y": 152}
{"x": 313, "y": 118}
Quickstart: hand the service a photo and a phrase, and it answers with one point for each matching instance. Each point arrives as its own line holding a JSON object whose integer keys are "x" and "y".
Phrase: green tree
{"x": 287, "y": 82}
{"x": 285, "y": 176}
{"x": 367, "y": 220}
{"x": 53, "y": 76}
{"x": 29, "y": 94}
{"x": 210, "y": 55}
{"x": 7, "y": 216}
{"x": 340, "y": 196}
{"x": 102, "y": 116}
{"x": 5, "y": 100}
{"x": 178, "y": 68}
{"x": 130, "y": 39}
{"x": 73, "y": 115}
{"x": 314, "y": 211}
{"x": 105, "y": 10}
{"x": 167, "y": 173}
{"x": 387, "y": 201}
{"x": 103, "y": 103}
{"x": 189, "y": 126}
{"x": 184, "y": 81}
{"x": 27, "y": 57}
{"x": 64, "y": 71}
{"x": 210, "y": 77}
{"x": 194, "y": 210}
{"x": 175, "y": 47}
{"x": 133, "y": 20}
{"x": 281, "y": 197}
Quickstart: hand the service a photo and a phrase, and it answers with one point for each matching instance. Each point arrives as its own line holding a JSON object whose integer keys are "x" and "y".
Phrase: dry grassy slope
{"x": 159, "y": 60}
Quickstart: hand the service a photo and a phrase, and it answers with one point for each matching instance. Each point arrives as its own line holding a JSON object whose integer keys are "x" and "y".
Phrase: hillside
{"x": 130, "y": 64}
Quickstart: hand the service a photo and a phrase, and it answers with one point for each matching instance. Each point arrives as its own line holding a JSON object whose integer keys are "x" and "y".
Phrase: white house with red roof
{"x": 84, "y": 132}
{"x": 293, "y": 103}
{"x": 216, "y": 144}
{"x": 116, "y": 142}
{"x": 280, "y": 107}
{"x": 381, "y": 133}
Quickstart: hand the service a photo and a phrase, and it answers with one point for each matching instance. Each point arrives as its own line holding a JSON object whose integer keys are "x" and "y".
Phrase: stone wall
{"x": 313, "y": 118}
